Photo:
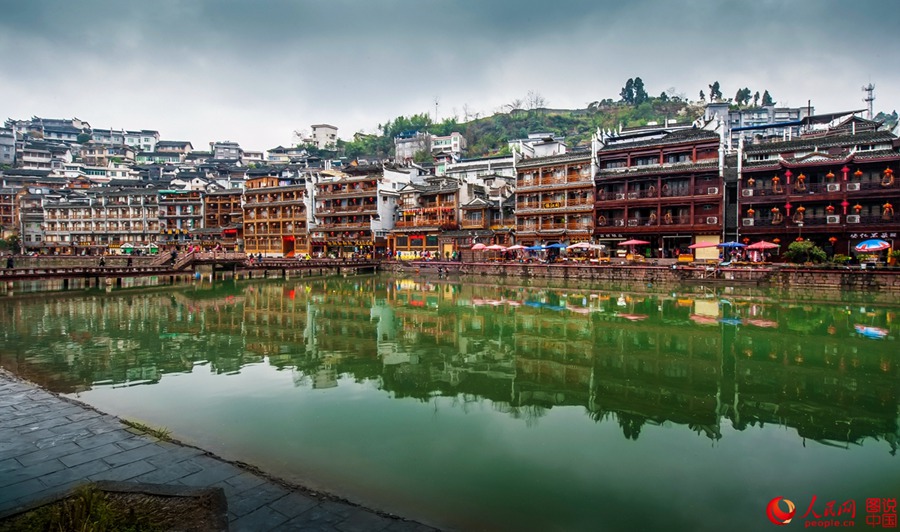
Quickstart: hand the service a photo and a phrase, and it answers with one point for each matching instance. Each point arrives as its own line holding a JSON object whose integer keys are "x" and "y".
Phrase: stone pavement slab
{"x": 48, "y": 444}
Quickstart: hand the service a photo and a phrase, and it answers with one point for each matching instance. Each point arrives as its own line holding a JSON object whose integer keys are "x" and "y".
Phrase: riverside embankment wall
{"x": 775, "y": 277}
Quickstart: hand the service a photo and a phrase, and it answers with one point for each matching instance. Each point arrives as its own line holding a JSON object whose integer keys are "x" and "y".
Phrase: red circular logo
{"x": 776, "y": 514}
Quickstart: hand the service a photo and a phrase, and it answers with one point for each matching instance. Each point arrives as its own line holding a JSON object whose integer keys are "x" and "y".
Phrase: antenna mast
{"x": 870, "y": 97}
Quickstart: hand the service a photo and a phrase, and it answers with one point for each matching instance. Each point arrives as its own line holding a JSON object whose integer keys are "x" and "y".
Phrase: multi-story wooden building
{"x": 835, "y": 187}
{"x": 275, "y": 214}
{"x": 426, "y": 211}
{"x": 9, "y": 215}
{"x": 663, "y": 187}
{"x": 346, "y": 206}
{"x": 180, "y": 212}
{"x": 100, "y": 220}
{"x": 222, "y": 210}
{"x": 555, "y": 199}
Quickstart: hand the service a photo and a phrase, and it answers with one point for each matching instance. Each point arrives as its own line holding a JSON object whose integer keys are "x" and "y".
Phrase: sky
{"x": 254, "y": 71}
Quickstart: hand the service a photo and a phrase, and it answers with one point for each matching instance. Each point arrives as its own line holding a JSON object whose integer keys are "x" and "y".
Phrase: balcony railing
{"x": 655, "y": 221}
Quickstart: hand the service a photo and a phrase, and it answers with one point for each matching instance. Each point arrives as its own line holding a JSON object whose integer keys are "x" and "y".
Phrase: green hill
{"x": 490, "y": 135}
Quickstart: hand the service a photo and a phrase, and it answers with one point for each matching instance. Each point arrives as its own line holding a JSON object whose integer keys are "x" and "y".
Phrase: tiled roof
{"x": 675, "y": 137}
{"x": 578, "y": 157}
{"x": 809, "y": 143}
{"x": 659, "y": 169}
{"x": 172, "y": 143}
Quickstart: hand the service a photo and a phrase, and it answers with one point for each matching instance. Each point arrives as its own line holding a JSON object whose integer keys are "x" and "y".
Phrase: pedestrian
{"x": 9, "y": 262}
{"x": 102, "y": 261}
{"x": 129, "y": 263}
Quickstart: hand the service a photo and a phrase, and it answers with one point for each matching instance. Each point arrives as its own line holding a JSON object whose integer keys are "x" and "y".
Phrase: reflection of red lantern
{"x": 831, "y": 329}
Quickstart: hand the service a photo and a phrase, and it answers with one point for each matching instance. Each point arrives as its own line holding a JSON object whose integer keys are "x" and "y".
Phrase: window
{"x": 678, "y": 158}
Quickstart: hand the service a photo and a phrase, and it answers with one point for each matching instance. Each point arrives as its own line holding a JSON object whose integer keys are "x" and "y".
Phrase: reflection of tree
{"x": 631, "y": 424}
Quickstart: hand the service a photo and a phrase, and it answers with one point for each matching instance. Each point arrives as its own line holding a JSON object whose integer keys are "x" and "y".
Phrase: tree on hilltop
{"x": 767, "y": 98}
{"x": 640, "y": 95}
{"x": 715, "y": 92}
{"x": 627, "y": 92}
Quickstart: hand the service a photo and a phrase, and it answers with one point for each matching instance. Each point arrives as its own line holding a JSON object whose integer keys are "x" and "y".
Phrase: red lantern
{"x": 832, "y": 240}
{"x": 746, "y": 240}
{"x": 830, "y": 175}
{"x": 829, "y": 209}
{"x": 858, "y": 173}
{"x": 776, "y": 241}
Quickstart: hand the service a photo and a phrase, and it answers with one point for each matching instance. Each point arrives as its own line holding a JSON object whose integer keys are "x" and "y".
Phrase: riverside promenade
{"x": 50, "y": 444}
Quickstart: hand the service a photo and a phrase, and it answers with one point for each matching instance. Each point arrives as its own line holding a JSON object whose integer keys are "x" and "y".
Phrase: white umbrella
{"x": 580, "y": 245}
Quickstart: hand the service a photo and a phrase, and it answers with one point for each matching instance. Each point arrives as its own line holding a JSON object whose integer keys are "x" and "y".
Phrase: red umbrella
{"x": 633, "y": 243}
{"x": 762, "y": 244}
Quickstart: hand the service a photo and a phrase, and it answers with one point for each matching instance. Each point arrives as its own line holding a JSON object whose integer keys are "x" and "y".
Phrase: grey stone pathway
{"x": 49, "y": 444}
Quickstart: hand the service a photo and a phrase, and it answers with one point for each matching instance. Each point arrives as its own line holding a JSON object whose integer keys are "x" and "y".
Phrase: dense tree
{"x": 742, "y": 97}
{"x": 627, "y": 92}
{"x": 805, "y": 251}
{"x": 702, "y": 96}
{"x": 663, "y": 97}
{"x": 756, "y": 99}
{"x": 767, "y": 98}
{"x": 714, "y": 92}
{"x": 83, "y": 137}
{"x": 640, "y": 95}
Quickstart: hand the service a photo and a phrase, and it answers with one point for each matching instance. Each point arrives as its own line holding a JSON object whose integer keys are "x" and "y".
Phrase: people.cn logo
{"x": 776, "y": 514}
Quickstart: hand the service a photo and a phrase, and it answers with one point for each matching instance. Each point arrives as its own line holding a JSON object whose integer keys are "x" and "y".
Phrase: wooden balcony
{"x": 349, "y": 209}
{"x": 703, "y": 193}
{"x": 655, "y": 223}
{"x": 346, "y": 226}
{"x": 324, "y": 193}
{"x": 474, "y": 224}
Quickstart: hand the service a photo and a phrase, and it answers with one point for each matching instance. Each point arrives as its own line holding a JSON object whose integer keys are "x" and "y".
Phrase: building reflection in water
{"x": 691, "y": 360}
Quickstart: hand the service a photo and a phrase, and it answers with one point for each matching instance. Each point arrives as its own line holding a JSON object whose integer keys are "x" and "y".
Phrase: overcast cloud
{"x": 255, "y": 71}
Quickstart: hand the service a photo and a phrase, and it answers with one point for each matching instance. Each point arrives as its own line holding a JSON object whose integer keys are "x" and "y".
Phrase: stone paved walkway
{"x": 49, "y": 444}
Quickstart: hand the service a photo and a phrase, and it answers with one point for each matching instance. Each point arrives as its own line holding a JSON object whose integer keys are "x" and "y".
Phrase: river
{"x": 489, "y": 406}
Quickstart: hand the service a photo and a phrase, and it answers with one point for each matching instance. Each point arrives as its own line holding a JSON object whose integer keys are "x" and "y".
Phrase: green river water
{"x": 488, "y": 406}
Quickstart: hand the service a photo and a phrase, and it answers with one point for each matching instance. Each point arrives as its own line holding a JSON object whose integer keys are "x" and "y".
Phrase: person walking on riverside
{"x": 9, "y": 262}
{"x": 102, "y": 261}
